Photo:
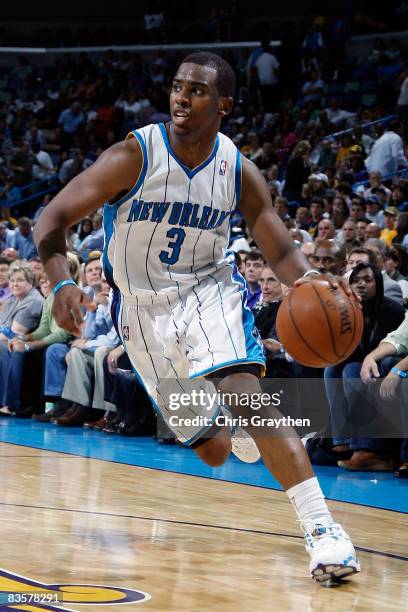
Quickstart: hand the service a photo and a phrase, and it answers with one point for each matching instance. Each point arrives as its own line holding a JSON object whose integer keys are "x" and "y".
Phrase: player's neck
{"x": 191, "y": 149}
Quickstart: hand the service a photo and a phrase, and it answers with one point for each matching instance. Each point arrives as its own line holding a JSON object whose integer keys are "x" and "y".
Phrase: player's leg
{"x": 214, "y": 451}
{"x": 332, "y": 553}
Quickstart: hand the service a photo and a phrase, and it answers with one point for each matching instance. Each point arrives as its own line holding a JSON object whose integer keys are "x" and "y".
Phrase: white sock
{"x": 309, "y": 503}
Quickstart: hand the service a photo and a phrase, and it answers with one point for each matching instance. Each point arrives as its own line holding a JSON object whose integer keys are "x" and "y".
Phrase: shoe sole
{"x": 247, "y": 452}
{"x": 323, "y": 573}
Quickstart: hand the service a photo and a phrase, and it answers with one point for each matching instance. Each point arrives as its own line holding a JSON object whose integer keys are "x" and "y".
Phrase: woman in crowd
{"x": 20, "y": 314}
{"x": 381, "y": 316}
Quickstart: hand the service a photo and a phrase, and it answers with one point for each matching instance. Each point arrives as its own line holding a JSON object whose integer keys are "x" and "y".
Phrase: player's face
{"x": 195, "y": 103}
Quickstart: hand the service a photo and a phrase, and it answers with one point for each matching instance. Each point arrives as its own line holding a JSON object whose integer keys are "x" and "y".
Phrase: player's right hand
{"x": 369, "y": 370}
{"x": 67, "y": 308}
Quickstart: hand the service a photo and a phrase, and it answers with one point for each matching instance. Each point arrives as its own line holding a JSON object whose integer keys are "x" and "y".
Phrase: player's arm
{"x": 113, "y": 174}
{"x": 266, "y": 227}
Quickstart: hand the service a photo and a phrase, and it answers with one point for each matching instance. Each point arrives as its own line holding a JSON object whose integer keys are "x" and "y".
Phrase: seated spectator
{"x": 38, "y": 271}
{"x": 392, "y": 289}
{"x": 329, "y": 256}
{"x": 46, "y": 200}
{"x": 361, "y": 227}
{"x": 375, "y": 181}
{"x": 402, "y": 231}
{"x": 302, "y": 217}
{"x": 6, "y": 237}
{"x": 316, "y": 186}
{"x": 20, "y": 313}
{"x": 359, "y": 255}
{"x": 337, "y": 116}
{"x": 325, "y": 230}
{"x": 5, "y": 290}
{"x": 281, "y": 207}
{"x": 348, "y": 235}
{"x": 277, "y": 366}
{"x": 374, "y": 213}
{"x": 358, "y": 209}
{"x": 134, "y": 415}
{"x": 43, "y": 168}
{"x": 23, "y": 239}
{"x": 381, "y": 316}
{"x": 316, "y": 215}
{"x": 389, "y": 360}
{"x": 55, "y": 364}
{"x": 372, "y": 231}
{"x": 253, "y": 270}
{"x": 23, "y": 364}
{"x": 313, "y": 88}
{"x": 71, "y": 119}
{"x": 392, "y": 267}
{"x": 94, "y": 241}
{"x": 390, "y": 230}
{"x": 340, "y": 212}
{"x": 399, "y": 198}
{"x": 83, "y": 386}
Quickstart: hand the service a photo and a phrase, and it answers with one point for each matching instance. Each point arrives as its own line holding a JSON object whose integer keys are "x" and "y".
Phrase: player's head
{"x": 202, "y": 92}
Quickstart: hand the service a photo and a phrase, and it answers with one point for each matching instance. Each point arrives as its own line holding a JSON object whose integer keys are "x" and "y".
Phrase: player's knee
{"x": 214, "y": 452}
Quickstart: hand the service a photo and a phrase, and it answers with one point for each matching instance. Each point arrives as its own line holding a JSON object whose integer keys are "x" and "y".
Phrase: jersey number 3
{"x": 171, "y": 257}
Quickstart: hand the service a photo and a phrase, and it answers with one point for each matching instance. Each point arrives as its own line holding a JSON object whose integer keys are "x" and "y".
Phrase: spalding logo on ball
{"x": 318, "y": 325}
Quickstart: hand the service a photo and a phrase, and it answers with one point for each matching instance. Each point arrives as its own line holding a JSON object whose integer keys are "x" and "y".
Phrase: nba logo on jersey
{"x": 223, "y": 167}
{"x": 125, "y": 332}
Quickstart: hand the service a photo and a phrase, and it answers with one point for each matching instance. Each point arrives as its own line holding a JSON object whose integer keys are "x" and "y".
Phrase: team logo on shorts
{"x": 125, "y": 332}
{"x": 223, "y": 167}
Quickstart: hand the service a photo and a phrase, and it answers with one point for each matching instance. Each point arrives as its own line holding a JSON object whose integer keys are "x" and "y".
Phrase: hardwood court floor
{"x": 193, "y": 544}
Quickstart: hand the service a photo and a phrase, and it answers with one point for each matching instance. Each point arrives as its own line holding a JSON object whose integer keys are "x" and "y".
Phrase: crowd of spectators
{"x": 344, "y": 200}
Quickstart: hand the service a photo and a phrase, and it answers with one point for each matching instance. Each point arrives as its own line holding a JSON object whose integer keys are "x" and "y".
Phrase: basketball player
{"x": 179, "y": 303}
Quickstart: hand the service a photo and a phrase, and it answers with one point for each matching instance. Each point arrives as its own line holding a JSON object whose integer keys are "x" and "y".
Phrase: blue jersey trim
{"x": 238, "y": 178}
{"x": 190, "y": 173}
{"x": 228, "y": 364}
{"x": 142, "y": 174}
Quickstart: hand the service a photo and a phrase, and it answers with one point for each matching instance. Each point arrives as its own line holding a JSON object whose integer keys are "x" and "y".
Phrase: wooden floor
{"x": 192, "y": 544}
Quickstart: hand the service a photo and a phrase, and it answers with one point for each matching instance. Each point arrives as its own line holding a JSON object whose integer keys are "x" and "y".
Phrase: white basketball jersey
{"x": 172, "y": 228}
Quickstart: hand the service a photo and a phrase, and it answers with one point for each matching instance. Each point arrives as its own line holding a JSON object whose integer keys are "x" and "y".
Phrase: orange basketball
{"x": 318, "y": 325}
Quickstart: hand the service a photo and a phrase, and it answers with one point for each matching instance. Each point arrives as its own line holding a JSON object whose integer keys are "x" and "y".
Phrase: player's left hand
{"x": 334, "y": 281}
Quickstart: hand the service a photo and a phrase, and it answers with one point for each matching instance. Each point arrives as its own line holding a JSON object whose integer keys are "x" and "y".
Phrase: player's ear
{"x": 226, "y": 104}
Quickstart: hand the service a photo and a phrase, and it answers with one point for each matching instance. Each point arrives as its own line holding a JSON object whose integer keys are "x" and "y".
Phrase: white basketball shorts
{"x": 185, "y": 338}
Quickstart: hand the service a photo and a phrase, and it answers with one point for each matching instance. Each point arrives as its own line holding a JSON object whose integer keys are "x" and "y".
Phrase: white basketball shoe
{"x": 243, "y": 446}
{"x": 332, "y": 554}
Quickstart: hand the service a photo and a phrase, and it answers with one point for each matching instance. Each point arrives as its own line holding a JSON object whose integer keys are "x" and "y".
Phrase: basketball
{"x": 318, "y": 325}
